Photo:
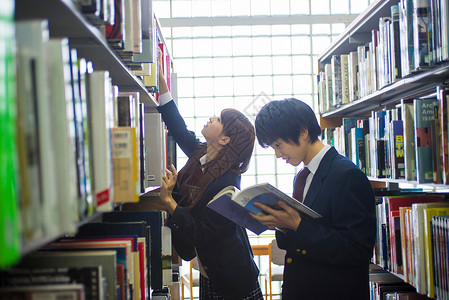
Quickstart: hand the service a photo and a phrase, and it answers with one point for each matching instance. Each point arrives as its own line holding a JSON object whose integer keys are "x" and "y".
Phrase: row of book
{"x": 80, "y": 143}
{"x": 411, "y": 240}
{"x": 407, "y": 142}
{"x": 126, "y": 256}
{"x": 413, "y": 38}
{"x": 394, "y": 291}
{"x": 130, "y": 28}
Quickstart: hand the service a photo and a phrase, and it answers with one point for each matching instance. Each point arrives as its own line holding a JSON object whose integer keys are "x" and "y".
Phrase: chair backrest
{"x": 277, "y": 254}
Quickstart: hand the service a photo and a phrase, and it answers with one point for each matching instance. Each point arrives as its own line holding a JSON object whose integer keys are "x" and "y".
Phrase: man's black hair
{"x": 285, "y": 119}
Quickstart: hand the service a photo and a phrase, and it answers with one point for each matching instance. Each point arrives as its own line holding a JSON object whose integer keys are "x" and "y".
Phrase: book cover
{"x": 395, "y": 45}
{"x": 79, "y": 121}
{"x": 10, "y": 241}
{"x": 65, "y": 259}
{"x": 32, "y": 36}
{"x": 443, "y": 97}
{"x": 422, "y": 32}
{"x": 407, "y": 36}
{"x": 353, "y": 69}
{"x": 424, "y": 116}
{"x": 125, "y": 165}
{"x": 329, "y": 87}
{"x": 51, "y": 291}
{"x": 100, "y": 116}
{"x": 155, "y": 149}
{"x": 430, "y": 263}
{"x": 86, "y": 205}
{"x": 124, "y": 256}
{"x": 60, "y": 90}
{"x": 408, "y": 117}
{"x": 398, "y": 150}
{"x": 403, "y": 224}
{"x": 344, "y": 59}
{"x": 437, "y": 150}
{"x": 235, "y": 205}
{"x": 114, "y": 32}
{"x": 336, "y": 80}
{"x": 28, "y": 149}
{"x": 357, "y": 147}
{"x": 90, "y": 277}
{"x": 419, "y": 243}
{"x": 148, "y": 32}
{"x": 444, "y": 21}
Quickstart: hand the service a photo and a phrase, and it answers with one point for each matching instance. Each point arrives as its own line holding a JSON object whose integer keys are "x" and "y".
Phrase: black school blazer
{"x": 328, "y": 258}
{"x": 222, "y": 246}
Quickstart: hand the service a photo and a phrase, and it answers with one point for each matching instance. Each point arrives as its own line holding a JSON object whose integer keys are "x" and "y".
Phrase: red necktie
{"x": 300, "y": 183}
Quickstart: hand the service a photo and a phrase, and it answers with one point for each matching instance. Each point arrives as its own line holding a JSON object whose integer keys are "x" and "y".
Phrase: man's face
{"x": 292, "y": 154}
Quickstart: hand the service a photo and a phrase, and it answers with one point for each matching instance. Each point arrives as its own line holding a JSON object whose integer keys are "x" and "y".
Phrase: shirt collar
{"x": 315, "y": 162}
{"x": 203, "y": 161}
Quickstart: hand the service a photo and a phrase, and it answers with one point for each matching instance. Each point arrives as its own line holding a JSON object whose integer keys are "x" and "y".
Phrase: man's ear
{"x": 304, "y": 135}
{"x": 224, "y": 140}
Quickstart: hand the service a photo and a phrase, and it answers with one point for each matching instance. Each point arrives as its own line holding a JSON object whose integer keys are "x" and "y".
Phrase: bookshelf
{"x": 84, "y": 44}
{"x": 389, "y": 99}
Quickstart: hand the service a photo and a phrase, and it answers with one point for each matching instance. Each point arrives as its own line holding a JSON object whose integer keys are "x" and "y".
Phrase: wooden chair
{"x": 264, "y": 250}
{"x": 276, "y": 267}
{"x": 191, "y": 279}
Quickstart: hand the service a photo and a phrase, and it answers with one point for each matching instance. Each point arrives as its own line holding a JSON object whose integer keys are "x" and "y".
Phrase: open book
{"x": 235, "y": 204}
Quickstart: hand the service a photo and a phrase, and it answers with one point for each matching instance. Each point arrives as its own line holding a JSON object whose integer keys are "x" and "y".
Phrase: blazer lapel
{"x": 319, "y": 176}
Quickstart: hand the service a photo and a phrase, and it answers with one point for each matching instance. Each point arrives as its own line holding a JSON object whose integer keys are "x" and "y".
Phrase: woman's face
{"x": 213, "y": 129}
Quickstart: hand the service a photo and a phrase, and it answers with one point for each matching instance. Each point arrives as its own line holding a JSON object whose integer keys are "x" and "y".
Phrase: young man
{"x": 327, "y": 258}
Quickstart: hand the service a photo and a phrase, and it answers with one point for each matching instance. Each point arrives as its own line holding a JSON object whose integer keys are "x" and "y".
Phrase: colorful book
{"x": 9, "y": 214}
{"x": 67, "y": 259}
{"x": 408, "y": 117}
{"x": 430, "y": 264}
{"x": 419, "y": 243}
{"x": 125, "y": 164}
{"x": 63, "y": 131}
{"x": 398, "y": 164}
{"x": 394, "y": 202}
{"x": 32, "y": 36}
{"x": 100, "y": 116}
{"x": 424, "y": 116}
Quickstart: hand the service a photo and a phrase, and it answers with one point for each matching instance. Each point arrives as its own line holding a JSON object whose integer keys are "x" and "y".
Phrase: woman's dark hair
{"x": 235, "y": 157}
{"x": 285, "y": 119}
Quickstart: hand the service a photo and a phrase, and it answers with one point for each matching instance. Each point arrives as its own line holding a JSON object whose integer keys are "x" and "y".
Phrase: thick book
{"x": 429, "y": 249}
{"x": 419, "y": 238}
{"x": 90, "y": 277}
{"x": 69, "y": 259}
{"x": 100, "y": 115}
{"x": 50, "y": 291}
{"x": 235, "y": 204}
{"x": 424, "y": 116}
{"x": 10, "y": 242}
{"x": 125, "y": 165}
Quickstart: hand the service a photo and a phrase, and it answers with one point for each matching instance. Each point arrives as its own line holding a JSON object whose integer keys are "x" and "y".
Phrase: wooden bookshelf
{"x": 418, "y": 84}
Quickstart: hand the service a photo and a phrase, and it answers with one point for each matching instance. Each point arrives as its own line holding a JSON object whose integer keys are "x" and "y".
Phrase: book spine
{"x": 9, "y": 216}
{"x": 424, "y": 115}
{"x": 421, "y": 33}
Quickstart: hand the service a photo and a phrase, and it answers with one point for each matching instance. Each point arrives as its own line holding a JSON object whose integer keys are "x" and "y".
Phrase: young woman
{"x": 226, "y": 261}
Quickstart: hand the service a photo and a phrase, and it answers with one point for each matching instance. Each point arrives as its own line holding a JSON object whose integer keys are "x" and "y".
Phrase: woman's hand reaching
{"x": 168, "y": 183}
